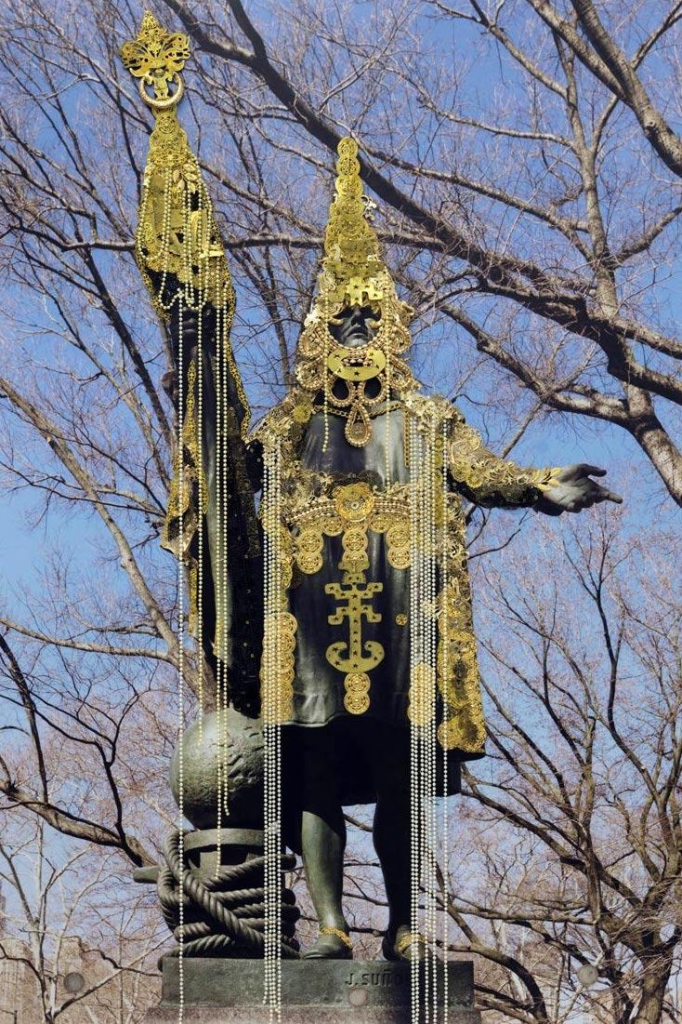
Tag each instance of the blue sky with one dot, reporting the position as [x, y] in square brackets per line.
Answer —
[23, 549]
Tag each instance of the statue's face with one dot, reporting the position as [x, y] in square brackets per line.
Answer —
[354, 326]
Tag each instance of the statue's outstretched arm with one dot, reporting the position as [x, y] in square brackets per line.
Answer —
[211, 520]
[486, 479]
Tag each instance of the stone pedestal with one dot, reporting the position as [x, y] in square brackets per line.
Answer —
[319, 992]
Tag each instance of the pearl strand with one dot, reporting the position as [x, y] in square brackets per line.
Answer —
[414, 458]
[444, 640]
[387, 438]
[325, 399]
[272, 698]
[267, 718]
[265, 700]
[276, 1010]
[431, 738]
[200, 530]
[425, 765]
[220, 371]
[181, 687]
[224, 500]
[202, 496]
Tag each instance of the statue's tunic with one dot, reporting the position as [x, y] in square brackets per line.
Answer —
[319, 686]
[346, 521]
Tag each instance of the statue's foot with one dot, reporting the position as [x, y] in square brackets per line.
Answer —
[405, 945]
[332, 944]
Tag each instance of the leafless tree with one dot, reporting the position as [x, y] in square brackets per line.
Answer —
[52, 893]
[573, 840]
[526, 163]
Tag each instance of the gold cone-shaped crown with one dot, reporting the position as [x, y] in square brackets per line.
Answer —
[353, 273]
[353, 270]
[352, 250]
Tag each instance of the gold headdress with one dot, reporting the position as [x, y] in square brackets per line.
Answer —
[354, 273]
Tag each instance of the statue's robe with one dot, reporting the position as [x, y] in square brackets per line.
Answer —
[315, 478]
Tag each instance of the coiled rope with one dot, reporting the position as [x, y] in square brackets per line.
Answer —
[218, 917]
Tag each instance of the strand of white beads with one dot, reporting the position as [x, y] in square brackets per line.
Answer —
[415, 655]
[444, 638]
[181, 684]
[267, 682]
[276, 1010]
[433, 665]
[225, 526]
[272, 713]
[221, 573]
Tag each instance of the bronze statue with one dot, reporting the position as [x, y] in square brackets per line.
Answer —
[342, 609]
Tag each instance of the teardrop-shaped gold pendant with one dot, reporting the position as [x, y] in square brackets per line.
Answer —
[358, 428]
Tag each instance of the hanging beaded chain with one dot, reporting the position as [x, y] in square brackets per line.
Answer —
[224, 356]
[272, 733]
[181, 706]
[430, 728]
[276, 1007]
[266, 698]
[415, 455]
[444, 633]
[387, 437]
[220, 576]
[424, 451]
[200, 531]
[181, 613]
[325, 435]
[222, 530]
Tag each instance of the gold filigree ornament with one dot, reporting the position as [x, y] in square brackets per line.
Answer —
[356, 699]
[422, 707]
[354, 502]
[354, 379]
[156, 57]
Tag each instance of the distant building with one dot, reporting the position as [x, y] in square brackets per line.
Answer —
[122, 1000]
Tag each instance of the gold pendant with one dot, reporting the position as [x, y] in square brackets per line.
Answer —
[358, 429]
[356, 700]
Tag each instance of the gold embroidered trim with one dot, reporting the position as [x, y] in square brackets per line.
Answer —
[385, 514]
[488, 476]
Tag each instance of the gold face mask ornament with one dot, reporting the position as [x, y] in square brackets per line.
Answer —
[354, 380]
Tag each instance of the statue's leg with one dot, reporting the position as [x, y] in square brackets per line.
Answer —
[392, 823]
[390, 760]
[323, 841]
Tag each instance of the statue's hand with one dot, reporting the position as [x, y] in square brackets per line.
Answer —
[573, 490]
[169, 383]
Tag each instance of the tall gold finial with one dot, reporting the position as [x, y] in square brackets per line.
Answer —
[157, 57]
[352, 249]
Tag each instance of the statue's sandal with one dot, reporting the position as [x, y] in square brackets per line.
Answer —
[410, 946]
[333, 944]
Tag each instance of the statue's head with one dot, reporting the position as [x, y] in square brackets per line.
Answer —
[357, 327]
